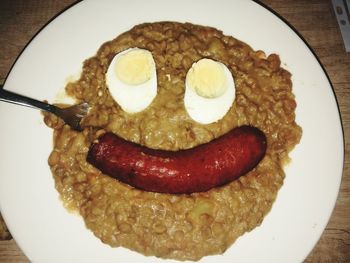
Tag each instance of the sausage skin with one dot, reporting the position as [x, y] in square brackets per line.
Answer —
[180, 172]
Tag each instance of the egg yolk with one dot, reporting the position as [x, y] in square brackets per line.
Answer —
[134, 67]
[207, 78]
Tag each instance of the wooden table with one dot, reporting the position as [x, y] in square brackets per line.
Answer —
[314, 19]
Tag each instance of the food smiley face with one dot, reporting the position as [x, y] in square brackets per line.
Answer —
[209, 93]
[177, 226]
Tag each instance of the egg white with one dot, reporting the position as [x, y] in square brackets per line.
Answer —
[209, 110]
[131, 98]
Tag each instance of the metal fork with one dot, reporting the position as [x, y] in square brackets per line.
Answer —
[71, 115]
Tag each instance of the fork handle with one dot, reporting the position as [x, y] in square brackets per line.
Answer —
[11, 97]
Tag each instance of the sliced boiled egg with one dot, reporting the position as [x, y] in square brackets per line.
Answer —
[210, 91]
[132, 79]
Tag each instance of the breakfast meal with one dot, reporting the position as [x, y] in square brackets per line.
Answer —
[183, 148]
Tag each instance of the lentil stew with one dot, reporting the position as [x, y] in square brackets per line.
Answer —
[181, 227]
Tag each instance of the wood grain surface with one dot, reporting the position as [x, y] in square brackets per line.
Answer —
[313, 19]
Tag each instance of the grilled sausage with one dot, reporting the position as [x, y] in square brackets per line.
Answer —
[186, 171]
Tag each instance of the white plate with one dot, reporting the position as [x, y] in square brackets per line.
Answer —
[46, 232]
